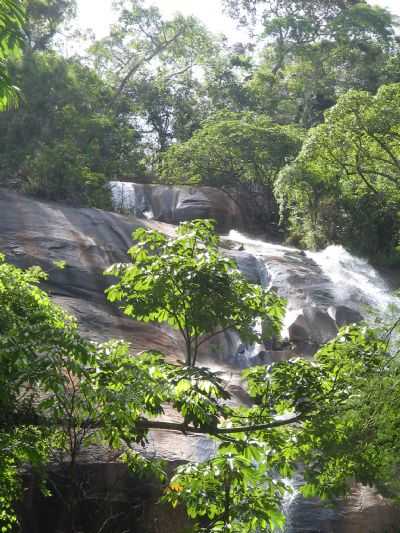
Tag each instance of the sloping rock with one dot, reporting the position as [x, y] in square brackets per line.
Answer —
[89, 240]
[249, 265]
[363, 511]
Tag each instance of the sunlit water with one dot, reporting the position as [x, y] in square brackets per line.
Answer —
[355, 282]
[129, 198]
[329, 277]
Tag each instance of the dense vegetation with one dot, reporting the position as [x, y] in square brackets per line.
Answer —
[11, 39]
[313, 120]
[166, 100]
[60, 394]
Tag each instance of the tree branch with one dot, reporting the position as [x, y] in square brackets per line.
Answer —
[183, 428]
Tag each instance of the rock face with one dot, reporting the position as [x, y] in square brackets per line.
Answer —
[313, 324]
[114, 501]
[343, 315]
[249, 265]
[363, 511]
[176, 204]
[319, 325]
[89, 240]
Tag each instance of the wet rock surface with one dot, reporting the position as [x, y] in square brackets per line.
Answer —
[363, 511]
[344, 315]
[89, 240]
[249, 265]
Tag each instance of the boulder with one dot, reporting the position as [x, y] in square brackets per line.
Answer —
[250, 266]
[363, 511]
[313, 324]
[175, 204]
[344, 315]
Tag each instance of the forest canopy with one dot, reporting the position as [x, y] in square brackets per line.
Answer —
[165, 100]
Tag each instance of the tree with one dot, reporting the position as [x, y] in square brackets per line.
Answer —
[60, 393]
[304, 412]
[66, 141]
[312, 79]
[44, 19]
[12, 19]
[230, 149]
[351, 162]
[298, 23]
[316, 51]
[187, 284]
[153, 62]
[142, 37]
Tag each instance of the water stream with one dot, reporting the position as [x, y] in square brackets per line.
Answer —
[330, 277]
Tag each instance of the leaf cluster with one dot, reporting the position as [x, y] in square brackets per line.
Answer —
[186, 283]
[12, 19]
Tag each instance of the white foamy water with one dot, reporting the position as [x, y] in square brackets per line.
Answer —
[257, 246]
[329, 277]
[129, 197]
[354, 281]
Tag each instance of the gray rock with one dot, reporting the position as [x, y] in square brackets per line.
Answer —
[173, 204]
[89, 240]
[363, 511]
[313, 324]
[344, 315]
[248, 264]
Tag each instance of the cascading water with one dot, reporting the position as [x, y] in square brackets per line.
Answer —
[331, 277]
[354, 281]
[308, 280]
[129, 197]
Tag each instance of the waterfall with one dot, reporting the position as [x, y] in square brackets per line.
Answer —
[130, 197]
[331, 277]
[355, 282]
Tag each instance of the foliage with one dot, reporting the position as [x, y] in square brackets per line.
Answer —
[12, 18]
[187, 284]
[351, 163]
[234, 490]
[297, 23]
[66, 142]
[336, 415]
[167, 90]
[232, 148]
[153, 61]
[30, 327]
[311, 80]
[44, 19]
[339, 435]
[315, 51]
